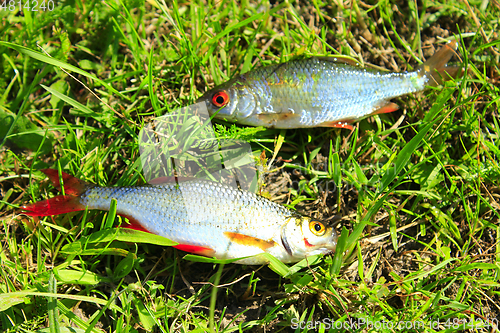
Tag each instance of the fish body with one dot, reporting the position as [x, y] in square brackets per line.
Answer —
[204, 217]
[319, 92]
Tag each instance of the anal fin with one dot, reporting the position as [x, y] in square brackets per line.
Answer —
[133, 224]
[386, 108]
[196, 249]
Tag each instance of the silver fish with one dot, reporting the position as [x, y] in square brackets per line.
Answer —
[320, 92]
[204, 217]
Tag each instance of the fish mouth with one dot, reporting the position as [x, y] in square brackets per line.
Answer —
[329, 249]
[333, 247]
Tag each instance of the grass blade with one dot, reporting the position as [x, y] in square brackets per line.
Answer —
[54, 62]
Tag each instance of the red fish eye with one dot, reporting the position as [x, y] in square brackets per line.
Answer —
[220, 99]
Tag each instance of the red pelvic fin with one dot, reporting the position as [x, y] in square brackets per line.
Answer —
[72, 185]
[54, 206]
[249, 240]
[196, 249]
[386, 108]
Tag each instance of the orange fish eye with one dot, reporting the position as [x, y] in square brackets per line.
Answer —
[317, 228]
[220, 99]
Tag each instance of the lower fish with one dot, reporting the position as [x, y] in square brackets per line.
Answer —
[204, 217]
[320, 91]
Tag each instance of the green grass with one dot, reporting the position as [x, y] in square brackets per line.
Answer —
[420, 200]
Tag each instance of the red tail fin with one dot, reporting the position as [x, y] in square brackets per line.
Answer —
[72, 185]
[61, 204]
[54, 206]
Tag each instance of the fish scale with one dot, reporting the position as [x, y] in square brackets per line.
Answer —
[346, 91]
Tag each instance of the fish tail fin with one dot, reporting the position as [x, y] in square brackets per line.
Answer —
[72, 185]
[435, 68]
[70, 202]
[54, 206]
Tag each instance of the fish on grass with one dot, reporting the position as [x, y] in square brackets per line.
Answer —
[204, 217]
[320, 91]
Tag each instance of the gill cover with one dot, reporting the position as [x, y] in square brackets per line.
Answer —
[304, 236]
[230, 101]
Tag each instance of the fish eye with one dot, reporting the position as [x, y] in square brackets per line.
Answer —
[220, 99]
[317, 228]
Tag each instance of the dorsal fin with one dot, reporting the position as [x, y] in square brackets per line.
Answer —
[340, 59]
[72, 185]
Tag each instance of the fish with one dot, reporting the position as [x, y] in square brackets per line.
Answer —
[204, 217]
[320, 91]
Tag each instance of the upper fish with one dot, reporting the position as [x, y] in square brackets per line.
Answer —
[320, 91]
[204, 217]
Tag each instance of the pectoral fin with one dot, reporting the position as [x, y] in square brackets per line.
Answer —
[249, 240]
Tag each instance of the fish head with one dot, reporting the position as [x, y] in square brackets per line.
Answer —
[304, 236]
[230, 101]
